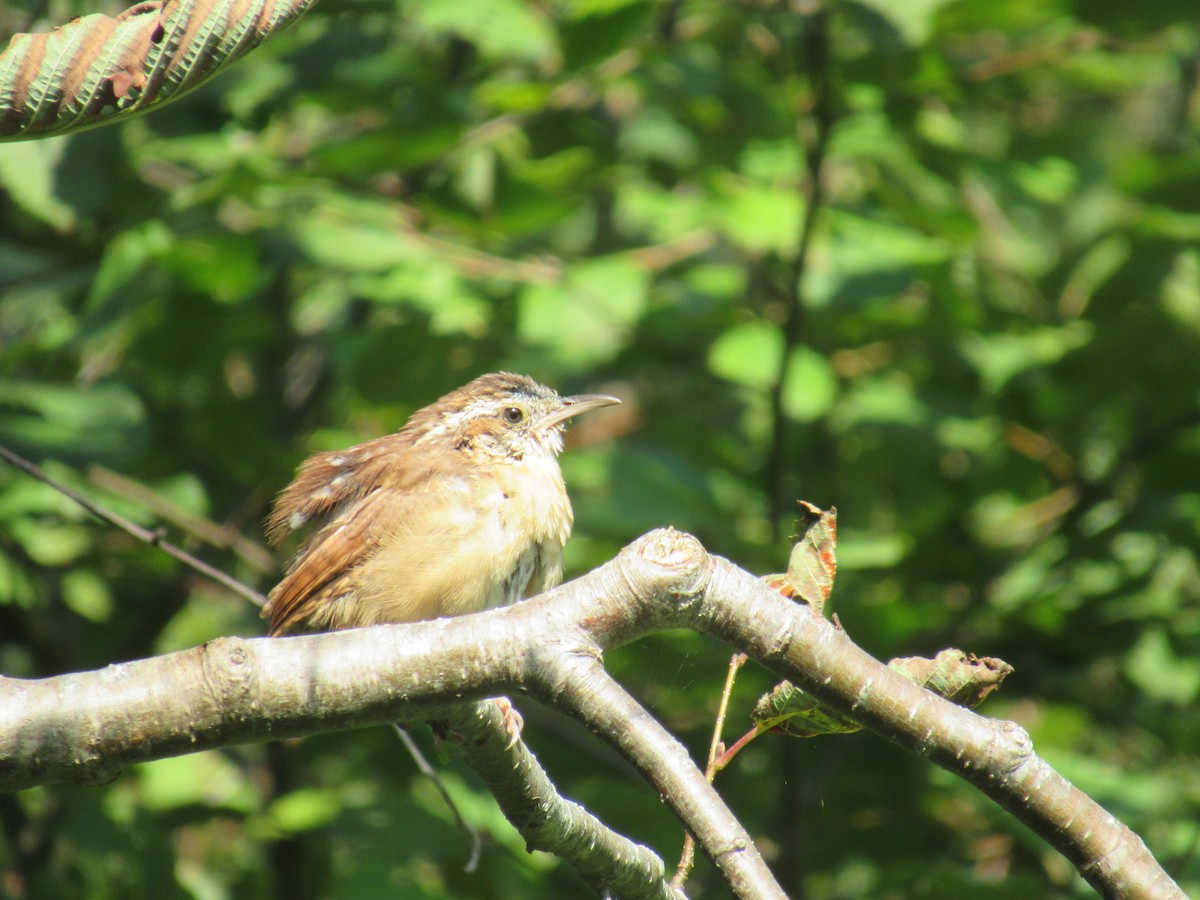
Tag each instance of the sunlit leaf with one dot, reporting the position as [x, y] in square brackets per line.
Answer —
[761, 218]
[500, 28]
[747, 355]
[586, 319]
[200, 779]
[97, 423]
[303, 810]
[86, 594]
[1000, 357]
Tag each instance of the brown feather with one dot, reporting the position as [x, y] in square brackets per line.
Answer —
[323, 569]
[350, 515]
[327, 481]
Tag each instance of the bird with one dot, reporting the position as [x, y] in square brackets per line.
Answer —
[461, 510]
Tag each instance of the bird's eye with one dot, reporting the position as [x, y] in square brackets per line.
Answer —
[513, 415]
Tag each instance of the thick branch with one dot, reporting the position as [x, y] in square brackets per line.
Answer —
[581, 686]
[86, 727]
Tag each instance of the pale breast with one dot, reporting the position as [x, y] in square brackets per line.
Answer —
[532, 503]
[472, 542]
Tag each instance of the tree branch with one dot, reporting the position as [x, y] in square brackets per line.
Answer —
[608, 861]
[86, 727]
[590, 694]
[224, 536]
[996, 757]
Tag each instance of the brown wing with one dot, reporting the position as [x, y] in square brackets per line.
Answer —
[327, 482]
[326, 569]
[355, 499]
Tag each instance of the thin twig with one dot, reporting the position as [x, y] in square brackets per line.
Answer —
[715, 751]
[737, 747]
[812, 51]
[223, 537]
[468, 830]
[155, 538]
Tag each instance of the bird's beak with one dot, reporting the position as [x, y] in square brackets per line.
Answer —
[573, 406]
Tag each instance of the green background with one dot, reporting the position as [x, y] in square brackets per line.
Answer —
[995, 379]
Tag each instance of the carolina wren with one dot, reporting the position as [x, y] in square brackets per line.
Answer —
[461, 510]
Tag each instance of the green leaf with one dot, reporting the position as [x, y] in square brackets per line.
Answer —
[86, 594]
[860, 244]
[356, 246]
[880, 399]
[200, 779]
[1160, 672]
[94, 423]
[434, 286]
[501, 29]
[866, 550]
[747, 355]
[303, 810]
[223, 265]
[913, 19]
[657, 135]
[1050, 179]
[1001, 357]
[811, 386]
[760, 218]
[50, 544]
[27, 175]
[660, 214]
[586, 319]
[125, 260]
[1181, 290]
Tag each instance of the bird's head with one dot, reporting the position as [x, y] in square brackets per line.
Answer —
[503, 414]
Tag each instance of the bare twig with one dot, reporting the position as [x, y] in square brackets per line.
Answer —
[737, 747]
[656, 257]
[716, 751]
[474, 263]
[1055, 52]
[469, 831]
[154, 538]
[223, 537]
[668, 23]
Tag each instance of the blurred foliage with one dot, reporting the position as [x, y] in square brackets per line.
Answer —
[995, 382]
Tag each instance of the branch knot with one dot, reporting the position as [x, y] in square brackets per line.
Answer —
[228, 670]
